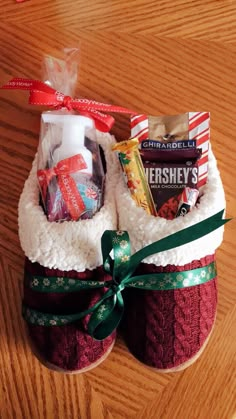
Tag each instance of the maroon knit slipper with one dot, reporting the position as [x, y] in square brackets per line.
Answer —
[66, 348]
[61, 259]
[169, 328]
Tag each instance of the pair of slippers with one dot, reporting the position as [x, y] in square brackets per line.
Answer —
[165, 328]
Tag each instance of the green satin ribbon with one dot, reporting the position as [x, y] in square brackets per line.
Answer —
[107, 312]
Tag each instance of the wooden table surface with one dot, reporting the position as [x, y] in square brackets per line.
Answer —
[157, 57]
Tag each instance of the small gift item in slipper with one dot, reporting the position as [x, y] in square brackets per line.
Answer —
[168, 328]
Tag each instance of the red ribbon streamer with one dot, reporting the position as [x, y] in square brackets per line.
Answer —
[67, 185]
[44, 95]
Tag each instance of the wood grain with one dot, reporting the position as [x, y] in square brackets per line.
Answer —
[155, 57]
[210, 20]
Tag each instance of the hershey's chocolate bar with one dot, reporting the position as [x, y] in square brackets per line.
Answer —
[167, 182]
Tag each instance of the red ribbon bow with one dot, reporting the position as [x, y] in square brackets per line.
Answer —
[42, 94]
[67, 185]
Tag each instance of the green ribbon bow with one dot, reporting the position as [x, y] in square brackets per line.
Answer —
[106, 314]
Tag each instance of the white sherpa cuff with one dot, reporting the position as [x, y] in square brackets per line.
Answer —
[68, 245]
[144, 229]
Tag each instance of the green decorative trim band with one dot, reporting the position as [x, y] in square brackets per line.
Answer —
[158, 281]
[108, 311]
[45, 319]
[61, 284]
[174, 280]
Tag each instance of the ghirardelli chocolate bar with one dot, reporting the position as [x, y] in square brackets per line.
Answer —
[168, 145]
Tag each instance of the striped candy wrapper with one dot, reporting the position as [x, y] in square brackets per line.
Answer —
[199, 130]
[139, 127]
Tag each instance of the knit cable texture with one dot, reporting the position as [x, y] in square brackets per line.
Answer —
[67, 347]
[164, 329]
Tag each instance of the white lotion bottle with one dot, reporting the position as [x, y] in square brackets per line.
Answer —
[73, 135]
